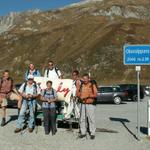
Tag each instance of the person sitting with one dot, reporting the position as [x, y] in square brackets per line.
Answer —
[7, 91]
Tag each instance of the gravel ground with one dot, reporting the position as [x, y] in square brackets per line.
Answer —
[121, 118]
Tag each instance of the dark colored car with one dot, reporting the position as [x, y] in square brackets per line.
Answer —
[111, 94]
[131, 89]
[13, 103]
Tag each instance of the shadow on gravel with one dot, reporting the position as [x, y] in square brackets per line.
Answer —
[12, 118]
[144, 130]
[123, 121]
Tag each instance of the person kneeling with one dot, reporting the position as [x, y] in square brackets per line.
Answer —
[49, 97]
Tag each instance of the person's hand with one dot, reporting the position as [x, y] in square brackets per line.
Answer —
[83, 98]
[49, 100]
[1, 99]
[24, 95]
[74, 98]
[29, 96]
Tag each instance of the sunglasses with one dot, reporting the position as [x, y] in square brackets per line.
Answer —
[50, 64]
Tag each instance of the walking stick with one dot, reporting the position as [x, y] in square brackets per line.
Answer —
[80, 119]
[85, 120]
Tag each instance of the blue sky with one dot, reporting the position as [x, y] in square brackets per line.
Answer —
[7, 6]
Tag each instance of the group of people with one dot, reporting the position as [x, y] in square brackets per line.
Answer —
[84, 91]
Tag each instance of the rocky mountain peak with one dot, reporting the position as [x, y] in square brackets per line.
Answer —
[13, 18]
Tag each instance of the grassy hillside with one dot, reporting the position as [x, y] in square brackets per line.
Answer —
[89, 37]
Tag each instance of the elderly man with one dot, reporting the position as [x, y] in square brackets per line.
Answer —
[29, 91]
[87, 93]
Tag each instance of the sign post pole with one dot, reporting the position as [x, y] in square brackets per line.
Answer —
[148, 116]
[138, 69]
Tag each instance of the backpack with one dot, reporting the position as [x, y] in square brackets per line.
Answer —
[34, 84]
[28, 71]
[93, 82]
[75, 83]
[56, 70]
[45, 92]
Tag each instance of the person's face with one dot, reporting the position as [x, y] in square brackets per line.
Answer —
[74, 76]
[49, 85]
[50, 65]
[6, 75]
[31, 66]
[85, 79]
[30, 81]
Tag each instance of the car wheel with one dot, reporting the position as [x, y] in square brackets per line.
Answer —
[134, 98]
[117, 100]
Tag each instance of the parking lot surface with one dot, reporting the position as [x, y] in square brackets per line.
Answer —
[116, 130]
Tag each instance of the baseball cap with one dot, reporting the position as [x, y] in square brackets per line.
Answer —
[30, 76]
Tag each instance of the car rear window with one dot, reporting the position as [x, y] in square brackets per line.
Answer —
[116, 89]
[105, 89]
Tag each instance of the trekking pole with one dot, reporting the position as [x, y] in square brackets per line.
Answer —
[80, 119]
[86, 120]
[76, 113]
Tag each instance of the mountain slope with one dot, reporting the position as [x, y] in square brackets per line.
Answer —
[87, 36]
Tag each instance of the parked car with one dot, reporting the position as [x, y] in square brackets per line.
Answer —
[13, 103]
[131, 89]
[111, 94]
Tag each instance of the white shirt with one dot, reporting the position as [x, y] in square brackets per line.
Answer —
[52, 74]
[29, 89]
[74, 89]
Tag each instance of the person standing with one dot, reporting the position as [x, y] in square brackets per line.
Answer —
[52, 72]
[73, 105]
[6, 88]
[29, 91]
[87, 93]
[32, 71]
[49, 97]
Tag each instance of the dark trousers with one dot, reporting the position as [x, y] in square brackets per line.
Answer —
[49, 120]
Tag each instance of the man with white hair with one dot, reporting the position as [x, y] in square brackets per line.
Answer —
[29, 91]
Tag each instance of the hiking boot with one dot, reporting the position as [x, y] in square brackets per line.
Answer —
[30, 130]
[54, 131]
[17, 130]
[92, 137]
[82, 136]
[3, 122]
[46, 133]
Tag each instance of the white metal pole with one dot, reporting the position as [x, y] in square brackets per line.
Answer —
[138, 69]
[148, 117]
[138, 116]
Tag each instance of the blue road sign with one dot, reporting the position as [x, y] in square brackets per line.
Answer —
[136, 54]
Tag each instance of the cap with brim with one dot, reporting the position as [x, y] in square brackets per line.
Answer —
[30, 77]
